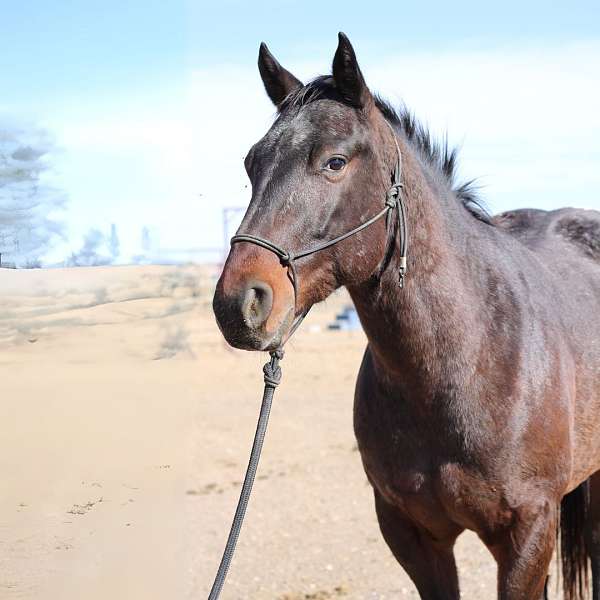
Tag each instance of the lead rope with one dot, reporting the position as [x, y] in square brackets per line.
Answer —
[272, 370]
[272, 378]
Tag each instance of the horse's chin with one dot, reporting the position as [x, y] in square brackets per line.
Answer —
[279, 337]
[260, 340]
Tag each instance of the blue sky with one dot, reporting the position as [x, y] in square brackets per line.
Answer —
[154, 104]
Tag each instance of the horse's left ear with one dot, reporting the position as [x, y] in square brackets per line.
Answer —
[347, 76]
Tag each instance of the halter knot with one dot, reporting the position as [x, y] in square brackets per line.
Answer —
[392, 195]
[272, 377]
[286, 258]
[278, 354]
[272, 370]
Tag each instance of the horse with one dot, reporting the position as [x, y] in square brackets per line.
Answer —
[477, 403]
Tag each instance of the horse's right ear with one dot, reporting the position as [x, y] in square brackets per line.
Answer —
[347, 76]
[278, 81]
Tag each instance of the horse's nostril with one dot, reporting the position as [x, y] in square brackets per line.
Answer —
[257, 304]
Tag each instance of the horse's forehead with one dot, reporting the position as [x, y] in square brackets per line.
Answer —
[321, 120]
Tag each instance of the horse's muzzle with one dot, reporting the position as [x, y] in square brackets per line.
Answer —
[254, 310]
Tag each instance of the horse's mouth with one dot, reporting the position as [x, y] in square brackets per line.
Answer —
[246, 338]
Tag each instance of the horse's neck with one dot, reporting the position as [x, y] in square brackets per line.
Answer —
[425, 335]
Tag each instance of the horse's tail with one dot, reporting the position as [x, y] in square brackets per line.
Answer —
[573, 551]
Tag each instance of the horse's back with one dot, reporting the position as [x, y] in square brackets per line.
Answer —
[576, 229]
[567, 242]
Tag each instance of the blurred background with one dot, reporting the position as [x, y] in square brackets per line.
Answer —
[125, 420]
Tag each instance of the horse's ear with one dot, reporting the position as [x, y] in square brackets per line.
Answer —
[278, 81]
[347, 76]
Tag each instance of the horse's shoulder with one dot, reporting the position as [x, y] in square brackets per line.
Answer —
[578, 227]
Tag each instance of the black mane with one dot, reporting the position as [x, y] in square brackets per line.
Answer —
[438, 155]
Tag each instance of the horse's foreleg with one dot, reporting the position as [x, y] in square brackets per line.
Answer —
[524, 551]
[428, 562]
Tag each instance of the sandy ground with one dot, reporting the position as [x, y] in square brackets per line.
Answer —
[125, 428]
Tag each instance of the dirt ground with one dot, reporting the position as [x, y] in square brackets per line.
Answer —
[126, 424]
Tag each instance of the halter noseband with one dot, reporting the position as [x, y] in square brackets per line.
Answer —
[393, 200]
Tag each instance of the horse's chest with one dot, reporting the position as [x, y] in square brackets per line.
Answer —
[415, 467]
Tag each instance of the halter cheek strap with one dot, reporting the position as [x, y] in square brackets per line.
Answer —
[394, 201]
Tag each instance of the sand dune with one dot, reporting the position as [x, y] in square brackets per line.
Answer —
[126, 423]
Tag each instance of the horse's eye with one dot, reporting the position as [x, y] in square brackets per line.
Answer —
[337, 163]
